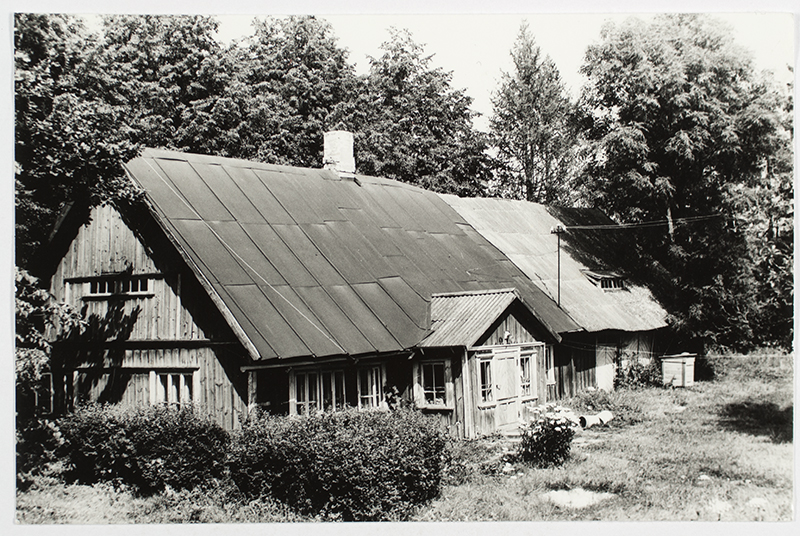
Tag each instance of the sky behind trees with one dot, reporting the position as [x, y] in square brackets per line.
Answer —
[477, 47]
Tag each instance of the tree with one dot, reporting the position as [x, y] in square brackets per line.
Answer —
[678, 120]
[531, 128]
[69, 137]
[294, 76]
[36, 312]
[173, 80]
[409, 123]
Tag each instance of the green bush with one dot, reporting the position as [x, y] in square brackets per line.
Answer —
[147, 448]
[346, 465]
[546, 441]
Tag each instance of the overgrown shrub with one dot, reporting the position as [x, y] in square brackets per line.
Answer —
[637, 375]
[546, 441]
[37, 442]
[147, 448]
[346, 465]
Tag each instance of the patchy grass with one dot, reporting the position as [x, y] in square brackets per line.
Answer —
[719, 450]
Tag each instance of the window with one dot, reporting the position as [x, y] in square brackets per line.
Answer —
[606, 280]
[612, 283]
[525, 373]
[549, 365]
[487, 389]
[370, 387]
[433, 389]
[318, 391]
[118, 285]
[173, 388]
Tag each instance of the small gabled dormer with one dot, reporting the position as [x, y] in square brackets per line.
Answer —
[606, 280]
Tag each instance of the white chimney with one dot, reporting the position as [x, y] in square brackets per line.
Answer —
[338, 152]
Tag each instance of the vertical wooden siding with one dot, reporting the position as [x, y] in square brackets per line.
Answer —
[165, 318]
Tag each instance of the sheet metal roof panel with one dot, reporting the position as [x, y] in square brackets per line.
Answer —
[202, 199]
[263, 347]
[154, 181]
[366, 321]
[372, 231]
[351, 267]
[229, 194]
[349, 237]
[402, 328]
[407, 298]
[290, 195]
[269, 323]
[460, 320]
[535, 252]
[279, 254]
[207, 250]
[303, 321]
[335, 320]
[266, 204]
[309, 255]
[248, 254]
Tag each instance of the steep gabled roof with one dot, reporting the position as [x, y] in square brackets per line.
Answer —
[302, 262]
[522, 230]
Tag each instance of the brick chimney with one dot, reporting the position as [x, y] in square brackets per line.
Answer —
[338, 152]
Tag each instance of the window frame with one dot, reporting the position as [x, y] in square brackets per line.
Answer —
[163, 389]
[420, 390]
[117, 285]
[302, 404]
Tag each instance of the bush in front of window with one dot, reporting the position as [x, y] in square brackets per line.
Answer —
[347, 465]
[546, 441]
[147, 448]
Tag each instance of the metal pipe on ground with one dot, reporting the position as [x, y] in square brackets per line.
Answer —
[587, 421]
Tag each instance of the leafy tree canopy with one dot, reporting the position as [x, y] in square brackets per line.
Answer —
[70, 137]
[531, 128]
[679, 123]
[411, 125]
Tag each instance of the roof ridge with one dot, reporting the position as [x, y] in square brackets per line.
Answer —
[474, 292]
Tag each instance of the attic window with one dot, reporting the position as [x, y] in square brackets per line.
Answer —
[605, 280]
[117, 285]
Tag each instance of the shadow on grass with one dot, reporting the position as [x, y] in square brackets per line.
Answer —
[759, 419]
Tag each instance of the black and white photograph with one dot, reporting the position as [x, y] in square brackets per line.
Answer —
[430, 266]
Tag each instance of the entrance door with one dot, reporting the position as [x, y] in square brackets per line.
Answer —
[604, 371]
[506, 379]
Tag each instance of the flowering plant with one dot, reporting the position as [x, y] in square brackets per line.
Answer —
[546, 440]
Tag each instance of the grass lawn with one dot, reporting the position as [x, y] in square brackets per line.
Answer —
[718, 450]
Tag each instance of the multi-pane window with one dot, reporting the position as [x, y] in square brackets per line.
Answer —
[173, 388]
[370, 387]
[433, 383]
[612, 283]
[125, 285]
[525, 360]
[319, 391]
[487, 388]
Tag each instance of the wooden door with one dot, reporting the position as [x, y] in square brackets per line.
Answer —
[506, 379]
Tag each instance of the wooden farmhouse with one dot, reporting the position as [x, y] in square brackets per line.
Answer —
[620, 320]
[236, 285]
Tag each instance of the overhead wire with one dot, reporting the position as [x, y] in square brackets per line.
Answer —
[644, 224]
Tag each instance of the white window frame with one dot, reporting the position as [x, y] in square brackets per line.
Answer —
[173, 387]
[420, 388]
[296, 405]
[486, 384]
[114, 286]
[370, 393]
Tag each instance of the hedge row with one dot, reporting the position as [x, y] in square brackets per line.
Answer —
[346, 465]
